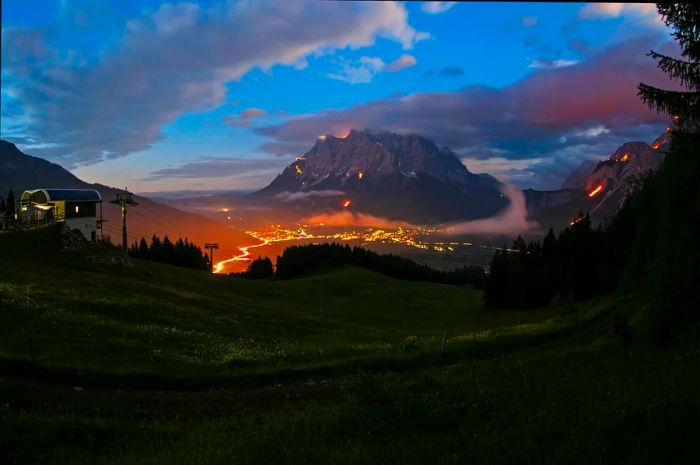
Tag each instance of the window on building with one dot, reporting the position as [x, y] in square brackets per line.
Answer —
[77, 208]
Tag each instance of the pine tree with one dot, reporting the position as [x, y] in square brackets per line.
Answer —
[143, 249]
[684, 106]
[10, 204]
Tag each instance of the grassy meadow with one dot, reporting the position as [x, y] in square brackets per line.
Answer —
[101, 363]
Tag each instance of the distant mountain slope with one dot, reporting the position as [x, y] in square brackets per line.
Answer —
[599, 189]
[405, 177]
[21, 172]
[577, 178]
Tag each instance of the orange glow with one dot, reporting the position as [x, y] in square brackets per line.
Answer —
[299, 158]
[225, 210]
[676, 117]
[578, 219]
[597, 190]
[625, 157]
[343, 134]
[298, 169]
[346, 203]
[656, 146]
[243, 256]
[668, 129]
[322, 137]
[360, 175]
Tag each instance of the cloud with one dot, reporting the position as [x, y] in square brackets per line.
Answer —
[360, 72]
[447, 71]
[174, 61]
[524, 120]
[365, 68]
[529, 21]
[551, 64]
[243, 120]
[451, 71]
[348, 218]
[435, 8]
[511, 221]
[644, 13]
[593, 131]
[249, 113]
[402, 62]
[218, 167]
[615, 10]
[288, 196]
[234, 121]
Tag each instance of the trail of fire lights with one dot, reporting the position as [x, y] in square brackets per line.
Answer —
[243, 256]
[597, 190]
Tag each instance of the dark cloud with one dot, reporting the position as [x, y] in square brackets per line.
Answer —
[525, 120]
[174, 61]
[447, 71]
[579, 46]
[451, 71]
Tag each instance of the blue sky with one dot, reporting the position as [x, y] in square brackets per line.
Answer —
[219, 95]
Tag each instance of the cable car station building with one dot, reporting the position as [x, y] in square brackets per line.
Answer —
[79, 209]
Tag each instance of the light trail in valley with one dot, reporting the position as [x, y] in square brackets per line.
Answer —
[244, 256]
[417, 238]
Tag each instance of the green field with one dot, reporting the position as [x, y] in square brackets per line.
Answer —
[156, 364]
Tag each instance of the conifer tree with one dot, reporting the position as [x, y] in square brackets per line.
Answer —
[684, 106]
[10, 204]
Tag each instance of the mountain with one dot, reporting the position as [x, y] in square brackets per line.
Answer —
[598, 188]
[21, 172]
[577, 178]
[405, 177]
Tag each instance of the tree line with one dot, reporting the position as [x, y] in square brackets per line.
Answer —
[180, 253]
[578, 264]
[300, 260]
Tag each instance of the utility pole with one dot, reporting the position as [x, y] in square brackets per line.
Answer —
[211, 246]
[123, 199]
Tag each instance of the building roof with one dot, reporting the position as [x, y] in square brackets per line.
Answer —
[70, 195]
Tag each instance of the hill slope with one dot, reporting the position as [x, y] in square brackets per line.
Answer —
[108, 365]
[21, 171]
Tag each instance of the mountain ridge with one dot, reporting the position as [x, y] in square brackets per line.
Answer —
[373, 169]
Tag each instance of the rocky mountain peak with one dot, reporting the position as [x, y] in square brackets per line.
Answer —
[377, 169]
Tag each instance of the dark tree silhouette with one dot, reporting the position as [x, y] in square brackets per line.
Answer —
[182, 253]
[684, 106]
[10, 204]
[260, 268]
[299, 260]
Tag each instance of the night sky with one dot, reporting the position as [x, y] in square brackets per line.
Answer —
[222, 95]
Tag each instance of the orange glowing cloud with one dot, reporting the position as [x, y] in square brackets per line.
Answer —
[348, 218]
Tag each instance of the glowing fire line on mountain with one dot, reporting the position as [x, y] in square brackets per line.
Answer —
[597, 190]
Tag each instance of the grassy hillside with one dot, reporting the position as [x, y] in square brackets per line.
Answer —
[156, 364]
[65, 311]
